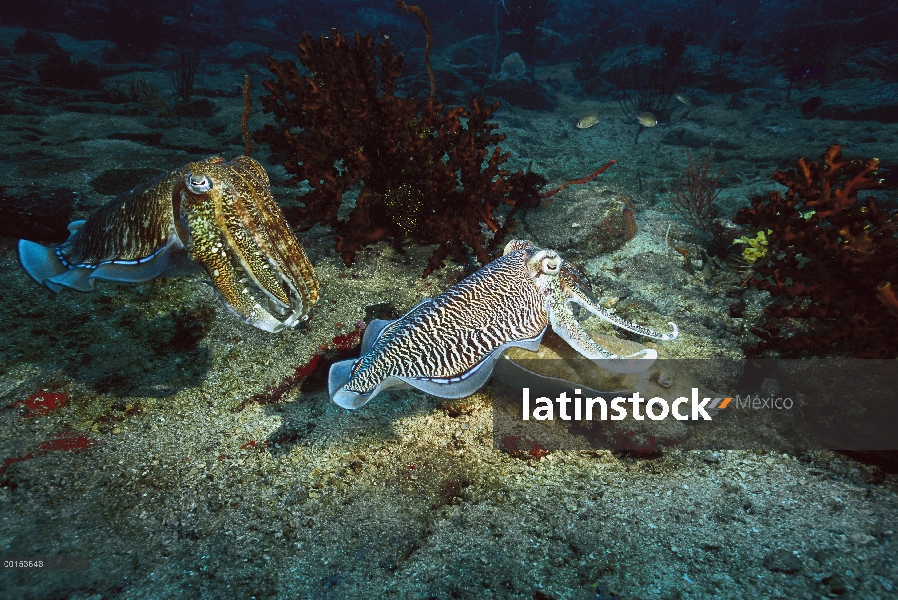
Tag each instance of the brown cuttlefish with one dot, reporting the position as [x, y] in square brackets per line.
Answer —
[209, 215]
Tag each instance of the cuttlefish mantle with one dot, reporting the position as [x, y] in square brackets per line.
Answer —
[446, 346]
[212, 216]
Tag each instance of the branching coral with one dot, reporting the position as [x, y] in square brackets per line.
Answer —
[696, 191]
[60, 70]
[831, 261]
[646, 91]
[425, 173]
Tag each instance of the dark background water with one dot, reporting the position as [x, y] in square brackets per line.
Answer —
[805, 38]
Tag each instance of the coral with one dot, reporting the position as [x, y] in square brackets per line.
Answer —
[830, 261]
[650, 87]
[587, 179]
[144, 93]
[696, 191]
[60, 70]
[428, 46]
[755, 248]
[183, 73]
[425, 172]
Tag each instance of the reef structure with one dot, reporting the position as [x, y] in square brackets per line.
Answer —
[425, 173]
[831, 261]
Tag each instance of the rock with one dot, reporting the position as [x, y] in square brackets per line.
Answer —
[710, 456]
[782, 561]
[201, 108]
[585, 219]
[35, 42]
[887, 113]
[37, 216]
[242, 53]
[836, 585]
[513, 68]
[523, 93]
[449, 80]
[190, 140]
[861, 539]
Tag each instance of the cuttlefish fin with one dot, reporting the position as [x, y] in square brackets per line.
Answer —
[76, 226]
[340, 372]
[338, 377]
[41, 263]
[44, 266]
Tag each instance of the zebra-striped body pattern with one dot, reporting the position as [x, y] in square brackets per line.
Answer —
[446, 345]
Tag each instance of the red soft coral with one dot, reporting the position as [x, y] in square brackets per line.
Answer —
[425, 173]
[830, 262]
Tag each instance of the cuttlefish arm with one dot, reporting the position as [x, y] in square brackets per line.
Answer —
[209, 215]
[572, 289]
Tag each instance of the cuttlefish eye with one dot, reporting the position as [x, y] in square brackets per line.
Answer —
[198, 184]
[551, 264]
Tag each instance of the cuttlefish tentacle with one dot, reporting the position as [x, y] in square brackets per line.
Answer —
[446, 346]
[213, 215]
[562, 284]
[266, 223]
[575, 289]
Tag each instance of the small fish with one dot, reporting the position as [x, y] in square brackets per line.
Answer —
[587, 121]
[684, 100]
[646, 119]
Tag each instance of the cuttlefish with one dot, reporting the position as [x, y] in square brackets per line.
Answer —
[209, 215]
[446, 346]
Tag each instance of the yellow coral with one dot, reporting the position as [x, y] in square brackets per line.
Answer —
[756, 246]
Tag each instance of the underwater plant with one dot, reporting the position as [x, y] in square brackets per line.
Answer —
[696, 191]
[647, 91]
[829, 261]
[60, 70]
[184, 71]
[145, 94]
[427, 174]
